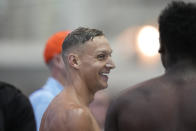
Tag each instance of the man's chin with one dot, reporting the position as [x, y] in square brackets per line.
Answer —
[104, 86]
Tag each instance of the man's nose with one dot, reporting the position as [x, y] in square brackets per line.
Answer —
[110, 64]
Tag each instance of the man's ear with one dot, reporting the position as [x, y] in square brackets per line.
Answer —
[74, 60]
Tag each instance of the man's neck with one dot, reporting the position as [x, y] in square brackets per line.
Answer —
[186, 67]
[82, 92]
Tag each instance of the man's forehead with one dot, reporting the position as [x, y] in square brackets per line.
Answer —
[98, 39]
[104, 50]
[101, 46]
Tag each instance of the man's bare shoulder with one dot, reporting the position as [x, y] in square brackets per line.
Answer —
[76, 118]
[141, 104]
[144, 95]
[72, 117]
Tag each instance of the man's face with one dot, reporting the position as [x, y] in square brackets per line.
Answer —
[96, 63]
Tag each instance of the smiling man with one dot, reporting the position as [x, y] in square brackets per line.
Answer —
[87, 57]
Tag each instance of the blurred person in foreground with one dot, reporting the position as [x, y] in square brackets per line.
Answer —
[167, 102]
[99, 106]
[41, 98]
[87, 57]
[16, 113]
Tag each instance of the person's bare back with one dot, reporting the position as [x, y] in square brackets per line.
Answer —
[166, 103]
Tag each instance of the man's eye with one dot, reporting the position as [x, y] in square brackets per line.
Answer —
[101, 56]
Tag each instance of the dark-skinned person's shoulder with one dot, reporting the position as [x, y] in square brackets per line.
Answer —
[133, 106]
[16, 113]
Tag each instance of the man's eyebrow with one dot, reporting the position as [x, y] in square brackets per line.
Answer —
[105, 51]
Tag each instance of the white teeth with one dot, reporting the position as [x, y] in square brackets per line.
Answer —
[108, 65]
[104, 73]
